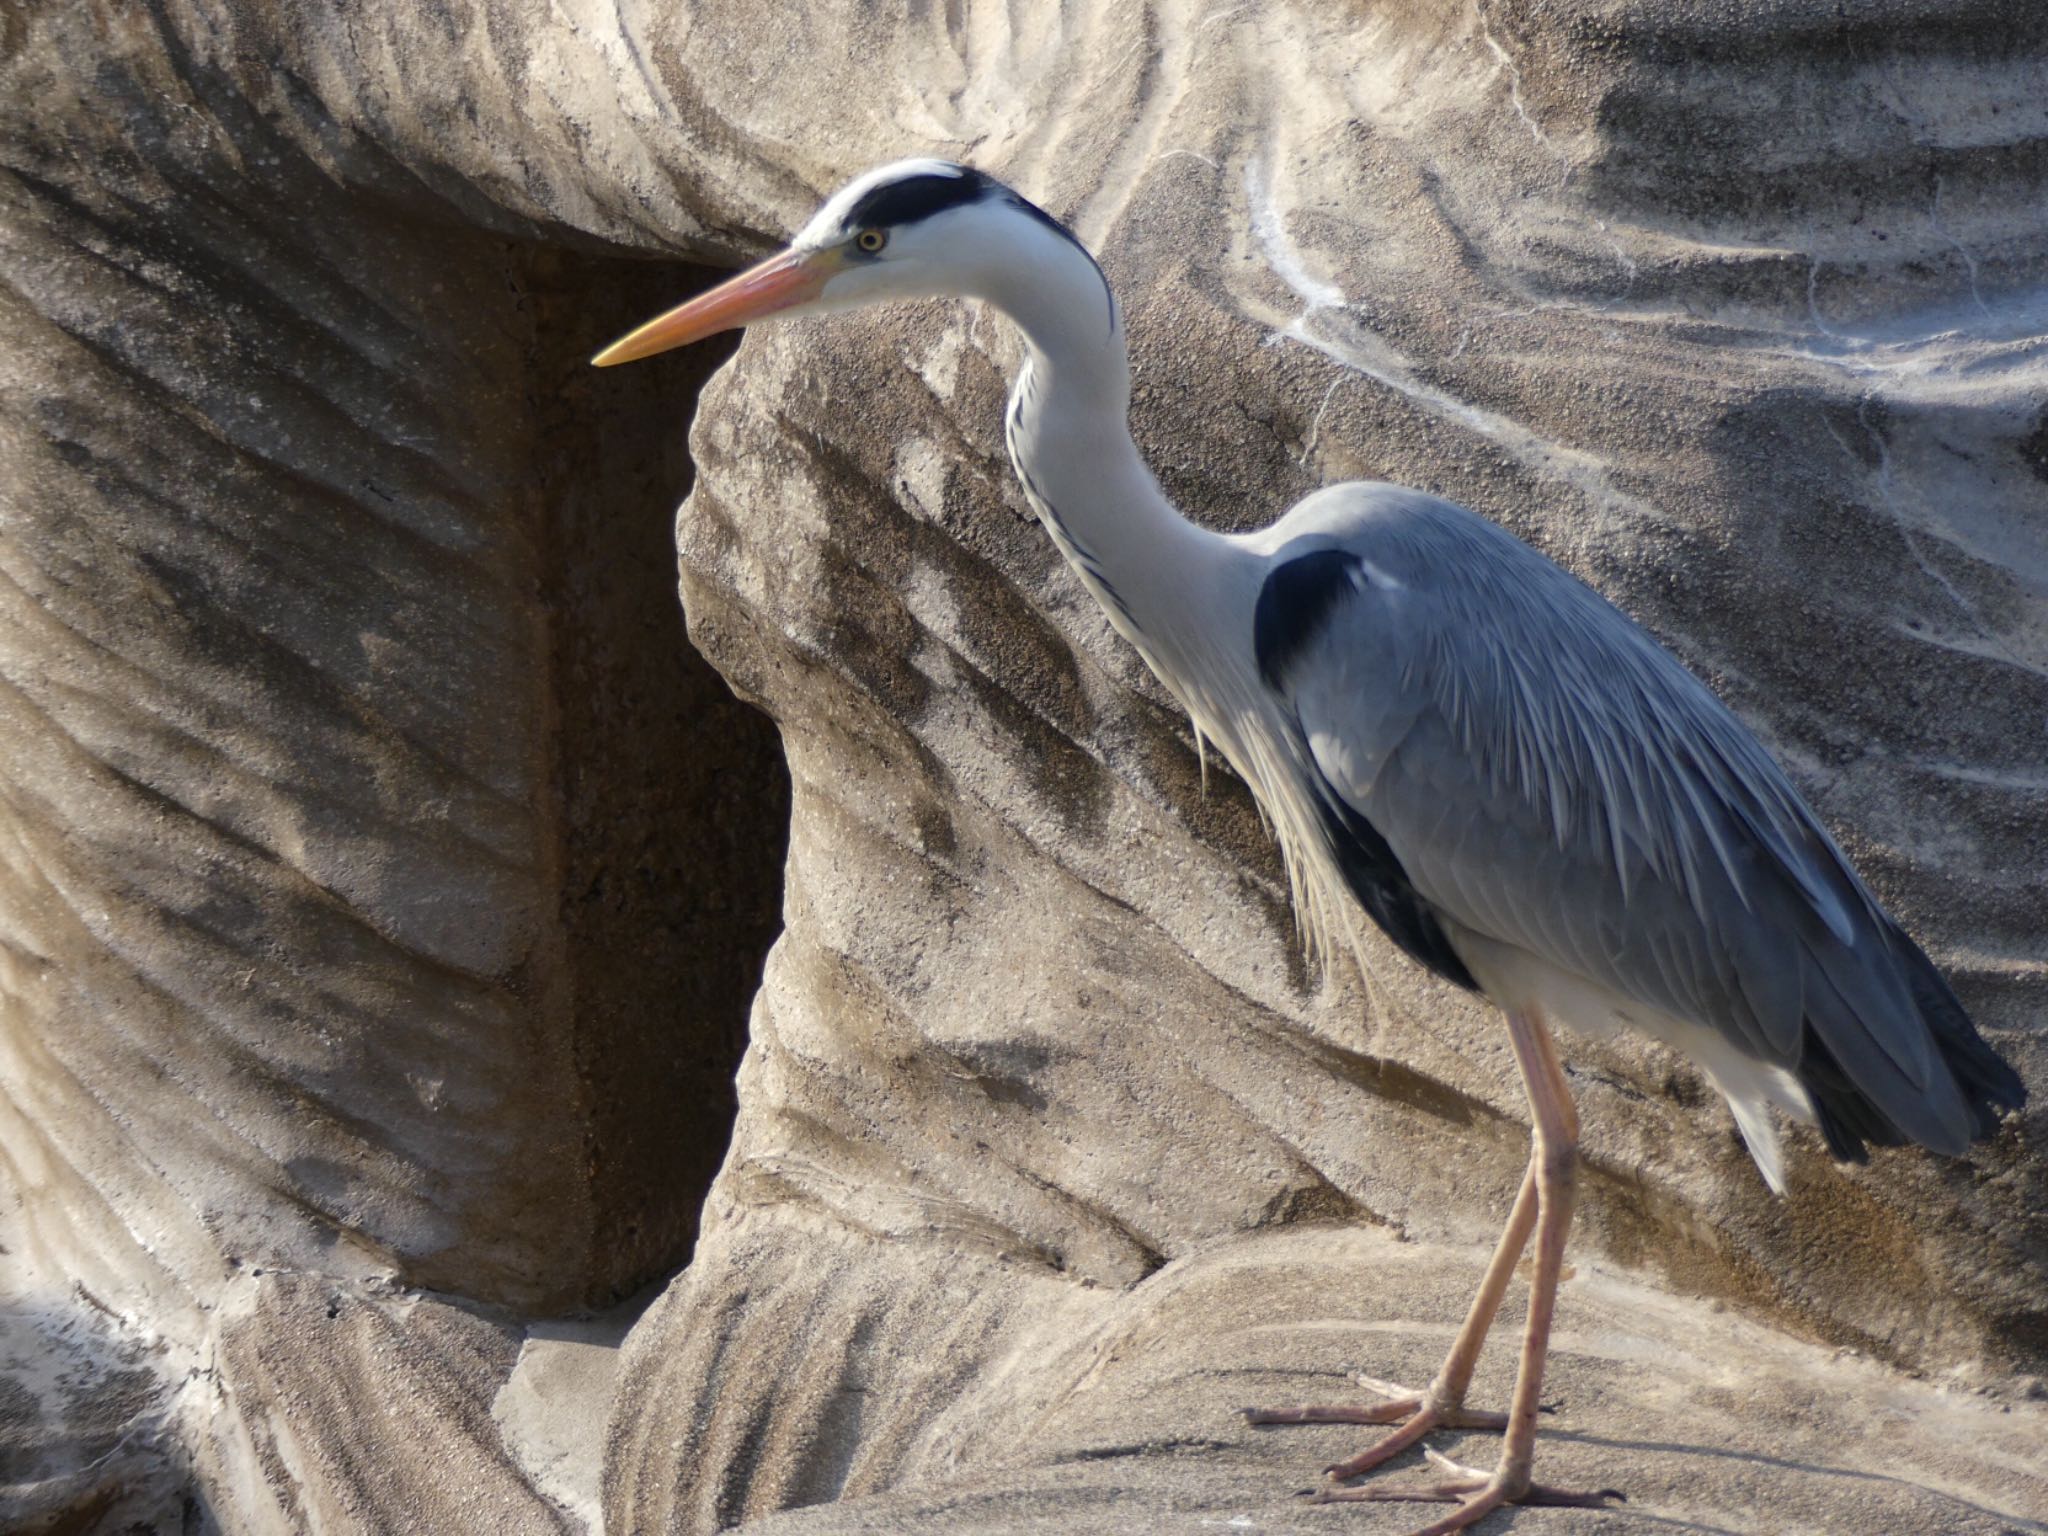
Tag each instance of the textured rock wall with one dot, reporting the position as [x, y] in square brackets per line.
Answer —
[379, 875]
[384, 879]
[1034, 1008]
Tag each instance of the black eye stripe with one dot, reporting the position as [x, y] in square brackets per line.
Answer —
[897, 203]
[917, 197]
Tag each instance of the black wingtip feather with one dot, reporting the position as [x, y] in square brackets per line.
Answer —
[1988, 1082]
[1850, 1122]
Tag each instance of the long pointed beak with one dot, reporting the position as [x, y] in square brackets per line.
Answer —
[779, 283]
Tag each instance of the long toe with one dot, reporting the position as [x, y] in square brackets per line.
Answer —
[1477, 1494]
[1410, 1411]
[1396, 1403]
[1392, 1412]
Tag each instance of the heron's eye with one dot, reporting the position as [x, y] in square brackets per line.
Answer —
[871, 240]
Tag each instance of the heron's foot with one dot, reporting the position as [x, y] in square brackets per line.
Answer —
[1414, 1412]
[1477, 1494]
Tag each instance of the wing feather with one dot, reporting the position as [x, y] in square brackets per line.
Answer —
[1549, 777]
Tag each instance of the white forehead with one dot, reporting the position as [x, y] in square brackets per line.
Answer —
[830, 220]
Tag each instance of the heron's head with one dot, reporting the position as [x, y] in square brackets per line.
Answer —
[917, 229]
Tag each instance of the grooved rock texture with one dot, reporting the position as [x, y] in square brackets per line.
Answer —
[1127, 1404]
[382, 878]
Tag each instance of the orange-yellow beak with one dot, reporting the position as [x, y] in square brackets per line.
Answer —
[779, 283]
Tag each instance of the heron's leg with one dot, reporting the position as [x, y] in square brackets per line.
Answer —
[1442, 1404]
[1556, 1169]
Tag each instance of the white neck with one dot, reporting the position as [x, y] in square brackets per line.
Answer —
[1185, 598]
[1158, 576]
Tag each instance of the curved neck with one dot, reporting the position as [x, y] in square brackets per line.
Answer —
[1073, 328]
[1160, 578]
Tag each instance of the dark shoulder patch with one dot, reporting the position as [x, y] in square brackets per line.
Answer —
[1294, 605]
[911, 198]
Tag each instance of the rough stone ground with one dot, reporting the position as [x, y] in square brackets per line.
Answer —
[1708, 1422]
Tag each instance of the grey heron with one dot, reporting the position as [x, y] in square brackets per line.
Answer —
[1522, 788]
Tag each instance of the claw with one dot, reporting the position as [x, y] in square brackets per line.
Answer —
[1452, 1468]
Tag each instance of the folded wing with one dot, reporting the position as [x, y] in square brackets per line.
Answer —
[1542, 773]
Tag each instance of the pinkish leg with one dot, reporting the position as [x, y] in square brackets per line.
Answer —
[1556, 1171]
[1442, 1405]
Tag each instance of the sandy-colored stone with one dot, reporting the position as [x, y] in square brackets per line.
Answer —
[365, 1413]
[552, 1407]
[1036, 1000]
[379, 879]
[1124, 1420]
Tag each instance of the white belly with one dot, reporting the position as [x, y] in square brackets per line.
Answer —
[1514, 978]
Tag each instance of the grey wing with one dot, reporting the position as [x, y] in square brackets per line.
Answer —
[1550, 778]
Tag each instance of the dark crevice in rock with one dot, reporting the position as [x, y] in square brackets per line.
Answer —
[672, 794]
